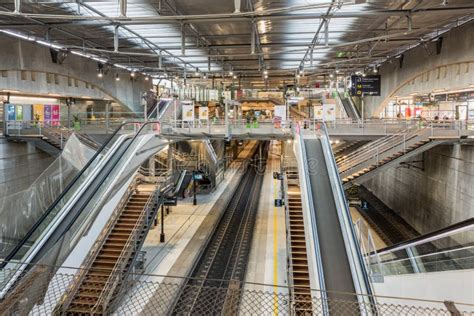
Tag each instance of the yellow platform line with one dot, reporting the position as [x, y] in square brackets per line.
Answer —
[275, 249]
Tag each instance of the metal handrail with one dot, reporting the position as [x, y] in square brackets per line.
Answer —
[357, 263]
[115, 274]
[320, 270]
[97, 246]
[382, 140]
[60, 197]
[129, 247]
[376, 151]
[466, 225]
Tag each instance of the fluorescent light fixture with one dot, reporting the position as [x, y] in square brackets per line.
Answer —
[54, 94]
[48, 44]
[18, 35]
[121, 66]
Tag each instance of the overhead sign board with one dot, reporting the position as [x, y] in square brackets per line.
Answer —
[368, 85]
[439, 97]
[458, 96]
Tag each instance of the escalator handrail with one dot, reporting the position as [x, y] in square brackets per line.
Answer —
[434, 235]
[27, 262]
[363, 281]
[25, 239]
[319, 262]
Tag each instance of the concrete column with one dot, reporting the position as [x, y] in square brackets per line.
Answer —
[107, 118]
[151, 166]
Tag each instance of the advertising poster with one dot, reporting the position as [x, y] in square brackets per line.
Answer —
[279, 115]
[27, 112]
[188, 112]
[38, 112]
[55, 115]
[329, 112]
[204, 113]
[11, 115]
[318, 112]
[19, 113]
[47, 113]
[280, 112]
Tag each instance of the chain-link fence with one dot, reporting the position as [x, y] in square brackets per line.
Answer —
[42, 292]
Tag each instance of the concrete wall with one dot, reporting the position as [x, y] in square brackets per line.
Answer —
[440, 195]
[28, 68]
[456, 286]
[424, 71]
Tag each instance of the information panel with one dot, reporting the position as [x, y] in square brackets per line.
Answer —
[318, 112]
[329, 112]
[368, 85]
[188, 112]
[204, 113]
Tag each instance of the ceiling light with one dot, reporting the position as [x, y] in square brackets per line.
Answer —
[147, 78]
[100, 74]
[331, 76]
[265, 72]
[132, 74]
[298, 76]
[235, 77]
[25, 37]
[375, 70]
[48, 44]
[117, 78]
[231, 73]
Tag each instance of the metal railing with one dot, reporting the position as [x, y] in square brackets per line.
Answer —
[157, 298]
[447, 249]
[98, 244]
[374, 153]
[129, 248]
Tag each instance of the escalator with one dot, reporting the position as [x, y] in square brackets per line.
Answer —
[340, 265]
[349, 107]
[79, 203]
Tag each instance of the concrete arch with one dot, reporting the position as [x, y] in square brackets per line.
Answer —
[18, 55]
[406, 82]
[84, 90]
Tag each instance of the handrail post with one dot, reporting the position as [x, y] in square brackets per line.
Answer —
[404, 144]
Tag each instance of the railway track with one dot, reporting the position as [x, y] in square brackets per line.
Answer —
[222, 265]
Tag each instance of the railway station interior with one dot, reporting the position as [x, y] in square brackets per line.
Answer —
[237, 157]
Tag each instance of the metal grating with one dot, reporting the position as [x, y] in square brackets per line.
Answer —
[43, 290]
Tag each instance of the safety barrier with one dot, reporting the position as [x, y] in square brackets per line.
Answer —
[44, 291]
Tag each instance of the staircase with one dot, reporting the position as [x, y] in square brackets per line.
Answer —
[388, 225]
[381, 153]
[111, 257]
[341, 151]
[298, 264]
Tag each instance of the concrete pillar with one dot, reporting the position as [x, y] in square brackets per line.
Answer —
[151, 166]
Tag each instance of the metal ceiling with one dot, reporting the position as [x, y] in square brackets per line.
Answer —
[274, 37]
